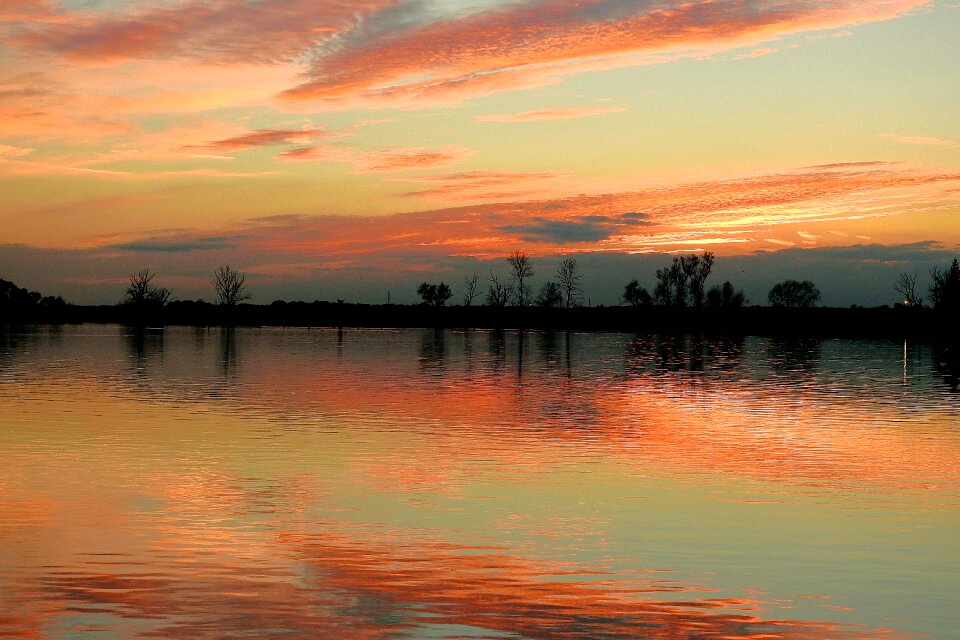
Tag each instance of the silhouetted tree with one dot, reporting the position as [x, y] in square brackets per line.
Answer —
[569, 276]
[142, 293]
[51, 302]
[945, 288]
[678, 280]
[696, 269]
[435, 294]
[794, 294]
[12, 296]
[662, 294]
[550, 296]
[907, 287]
[725, 296]
[498, 294]
[444, 293]
[470, 289]
[522, 269]
[229, 286]
[636, 295]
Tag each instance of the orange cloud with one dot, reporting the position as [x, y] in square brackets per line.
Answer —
[263, 138]
[526, 44]
[549, 114]
[23, 10]
[267, 31]
[409, 158]
[736, 213]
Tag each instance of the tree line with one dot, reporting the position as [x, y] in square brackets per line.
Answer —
[228, 284]
[681, 284]
[944, 289]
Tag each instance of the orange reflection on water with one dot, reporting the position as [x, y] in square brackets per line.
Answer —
[359, 495]
[490, 589]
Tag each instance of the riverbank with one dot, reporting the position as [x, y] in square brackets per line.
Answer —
[886, 322]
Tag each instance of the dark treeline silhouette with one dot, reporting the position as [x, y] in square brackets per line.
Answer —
[680, 303]
[18, 304]
[945, 288]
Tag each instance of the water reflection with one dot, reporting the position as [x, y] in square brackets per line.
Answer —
[228, 352]
[433, 350]
[794, 355]
[196, 483]
[144, 345]
[946, 360]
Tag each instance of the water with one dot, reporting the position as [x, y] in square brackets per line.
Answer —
[194, 483]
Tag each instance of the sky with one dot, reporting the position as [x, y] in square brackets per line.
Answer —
[346, 149]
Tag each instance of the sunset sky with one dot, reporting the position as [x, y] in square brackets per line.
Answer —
[342, 149]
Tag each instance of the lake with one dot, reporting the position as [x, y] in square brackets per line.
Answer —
[211, 483]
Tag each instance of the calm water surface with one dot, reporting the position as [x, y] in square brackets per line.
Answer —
[193, 483]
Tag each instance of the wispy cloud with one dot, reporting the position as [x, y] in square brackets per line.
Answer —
[262, 138]
[549, 114]
[410, 158]
[257, 32]
[533, 43]
[920, 140]
[476, 184]
[8, 151]
[743, 212]
[756, 53]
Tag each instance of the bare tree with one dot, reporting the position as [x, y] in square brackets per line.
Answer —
[141, 291]
[499, 294]
[569, 275]
[470, 289]
[907, 287]
[522, 270]
[229, 285]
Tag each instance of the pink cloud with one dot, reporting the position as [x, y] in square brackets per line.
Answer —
[264, 31]
[549, 114]
[528, 43]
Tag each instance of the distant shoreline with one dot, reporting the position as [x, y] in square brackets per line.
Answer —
[825, 322]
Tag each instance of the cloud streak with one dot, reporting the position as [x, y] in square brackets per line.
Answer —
[256, 32]
[262, 138]
[411, 158]
[920, 140]
[549, 114]
[476, 184]
[535, 42]
[733, 216]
